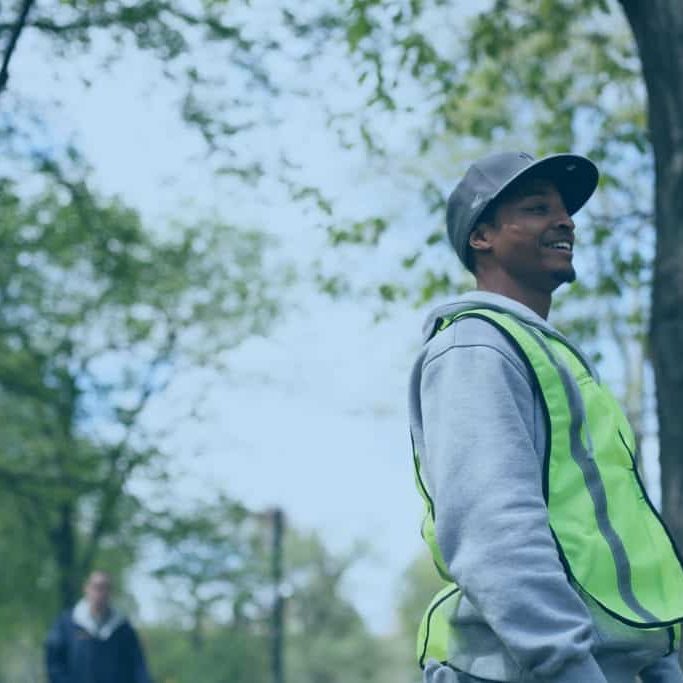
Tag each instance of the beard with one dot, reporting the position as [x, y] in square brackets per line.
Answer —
[567, 275]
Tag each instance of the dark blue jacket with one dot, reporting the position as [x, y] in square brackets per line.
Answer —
[76, 656]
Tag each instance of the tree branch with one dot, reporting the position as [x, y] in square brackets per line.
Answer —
[117, 478]
[17, 28]
[129, 17]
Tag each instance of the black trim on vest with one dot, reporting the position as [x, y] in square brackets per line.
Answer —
[423, 488]
[672, 640]
[439, 602]
[634, 624]
[655, 512]
[563, 559]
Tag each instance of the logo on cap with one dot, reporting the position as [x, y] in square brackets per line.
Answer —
[478, 199]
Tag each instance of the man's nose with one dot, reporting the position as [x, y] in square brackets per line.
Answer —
[564, 220]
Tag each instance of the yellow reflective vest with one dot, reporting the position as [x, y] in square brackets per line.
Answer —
[610, 538]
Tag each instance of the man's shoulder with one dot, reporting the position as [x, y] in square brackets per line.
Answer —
[123, 625]
[472, 333]
[118, 624]
[66, 616]
[61, 627]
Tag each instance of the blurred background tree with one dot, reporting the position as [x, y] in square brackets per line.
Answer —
[97, 316]
[328, 640]
[215, 580]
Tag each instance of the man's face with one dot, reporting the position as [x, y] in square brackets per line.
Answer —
[533, 236]
[98, 592]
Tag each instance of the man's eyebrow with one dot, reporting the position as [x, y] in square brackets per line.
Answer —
[534, 192]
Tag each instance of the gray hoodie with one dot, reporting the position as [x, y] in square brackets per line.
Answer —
[478, 425]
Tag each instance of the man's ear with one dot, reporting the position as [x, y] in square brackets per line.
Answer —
[479, 237]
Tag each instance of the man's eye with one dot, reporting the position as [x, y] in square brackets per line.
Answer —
[538, 208]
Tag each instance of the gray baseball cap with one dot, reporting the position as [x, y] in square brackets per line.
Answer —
[575, 176]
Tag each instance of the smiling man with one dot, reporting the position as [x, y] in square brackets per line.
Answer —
[557, 566]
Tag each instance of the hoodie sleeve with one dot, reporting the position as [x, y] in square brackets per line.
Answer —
[665, 670]
[491, 519]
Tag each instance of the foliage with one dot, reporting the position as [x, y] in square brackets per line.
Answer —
[222, 60]
[571, 80]
[97, 316]
[26, 598]
[229, 655]
[101, 313]
[215, 566]
[327, 641]
[215, 570]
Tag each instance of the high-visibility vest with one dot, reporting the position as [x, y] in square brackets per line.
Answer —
[612, 542]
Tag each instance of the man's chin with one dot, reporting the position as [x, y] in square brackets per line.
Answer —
[567, 275]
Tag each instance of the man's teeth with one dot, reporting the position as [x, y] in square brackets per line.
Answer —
[566, 246]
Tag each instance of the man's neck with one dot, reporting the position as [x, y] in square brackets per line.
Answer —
[99, 615]
[537, 300]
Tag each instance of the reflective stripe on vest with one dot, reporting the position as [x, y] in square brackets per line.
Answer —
[611, 539]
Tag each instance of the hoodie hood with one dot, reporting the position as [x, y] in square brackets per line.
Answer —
[82, 617]
[503, 304]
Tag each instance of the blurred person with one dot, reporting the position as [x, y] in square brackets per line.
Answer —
[558, 566]
[93, 642]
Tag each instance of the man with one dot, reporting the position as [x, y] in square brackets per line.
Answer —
[94, 643]
[558, 567]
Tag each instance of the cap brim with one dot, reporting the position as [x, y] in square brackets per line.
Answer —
[576, 178]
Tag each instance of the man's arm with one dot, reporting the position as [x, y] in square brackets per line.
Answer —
[56, 653]
[491, 519]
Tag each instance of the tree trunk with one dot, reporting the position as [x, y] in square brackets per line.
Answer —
[658, 29]
[197, 633]
[64, 543]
